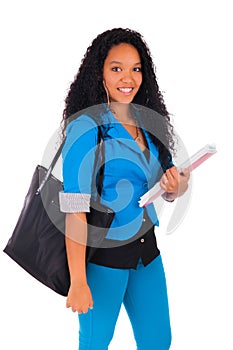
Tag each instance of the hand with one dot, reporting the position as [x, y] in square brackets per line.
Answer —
[79, 298]
[174, 183]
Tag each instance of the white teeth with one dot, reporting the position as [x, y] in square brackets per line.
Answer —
[126, 90]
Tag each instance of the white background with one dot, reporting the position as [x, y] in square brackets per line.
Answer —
[42, 44]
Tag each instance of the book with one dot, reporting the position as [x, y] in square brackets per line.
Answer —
[192, 163]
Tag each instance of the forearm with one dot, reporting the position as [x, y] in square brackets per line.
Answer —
[76, 238]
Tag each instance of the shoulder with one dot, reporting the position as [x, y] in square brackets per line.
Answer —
[83, 123]
[81, 133]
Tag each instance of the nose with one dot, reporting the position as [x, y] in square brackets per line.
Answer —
[127, 76]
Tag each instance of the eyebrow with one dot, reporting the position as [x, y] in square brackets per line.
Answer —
[117, 62]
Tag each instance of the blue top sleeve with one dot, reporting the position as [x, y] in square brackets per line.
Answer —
[79, 155]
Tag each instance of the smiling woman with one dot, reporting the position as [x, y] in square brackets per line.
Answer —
[122, 73]
[117, 74]
[122, 78]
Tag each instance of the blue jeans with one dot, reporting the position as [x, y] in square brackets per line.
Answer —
[144, 295]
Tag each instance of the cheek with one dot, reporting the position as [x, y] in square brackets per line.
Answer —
[139, 80]
[110, 81]
[108, 77]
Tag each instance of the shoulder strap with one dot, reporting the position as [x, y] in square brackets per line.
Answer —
[50, 169]
[58, 153]
[99, 154]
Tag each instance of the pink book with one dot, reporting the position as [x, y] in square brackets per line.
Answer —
[192, 163]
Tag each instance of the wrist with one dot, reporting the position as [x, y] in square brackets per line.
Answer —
[77, 283]
[169, 196]
[78, 280]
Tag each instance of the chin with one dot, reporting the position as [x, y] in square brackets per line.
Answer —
[125, 100]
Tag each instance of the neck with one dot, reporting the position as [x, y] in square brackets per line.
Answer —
[121, 110]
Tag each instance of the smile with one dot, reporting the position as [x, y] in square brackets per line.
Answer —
[127, 90]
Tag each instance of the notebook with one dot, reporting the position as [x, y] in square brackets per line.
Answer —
[192, 163]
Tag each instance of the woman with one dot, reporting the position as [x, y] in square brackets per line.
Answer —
[117, 74]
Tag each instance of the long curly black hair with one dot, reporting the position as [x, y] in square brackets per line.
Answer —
[87, 88]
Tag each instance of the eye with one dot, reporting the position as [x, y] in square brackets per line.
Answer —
[116, 69]
[137, 69]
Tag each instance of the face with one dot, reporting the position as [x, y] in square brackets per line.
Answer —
[122, 73]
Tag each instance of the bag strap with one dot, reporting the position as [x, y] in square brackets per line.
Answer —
[50, 169]
[58, 153]
[99, 153]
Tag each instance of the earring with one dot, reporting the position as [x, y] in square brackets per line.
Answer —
[107, 93]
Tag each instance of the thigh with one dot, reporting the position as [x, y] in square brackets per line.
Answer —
[146, 303]
[108, 287]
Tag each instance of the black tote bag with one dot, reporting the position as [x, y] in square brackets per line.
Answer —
[37, 243]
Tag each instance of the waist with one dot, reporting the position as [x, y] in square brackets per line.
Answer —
[126, 254]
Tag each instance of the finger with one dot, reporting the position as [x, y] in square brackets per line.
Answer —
[172, 177]
[172, 173]
[163, 182]
[84, 311]
[185, 172]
